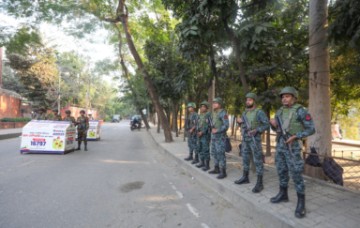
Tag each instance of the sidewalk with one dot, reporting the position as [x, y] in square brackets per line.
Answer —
[327, 206]
[10, 133]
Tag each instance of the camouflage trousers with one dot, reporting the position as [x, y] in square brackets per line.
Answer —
[248, 147]
[192, 143]
[217, 150]
[82, 135]
[285, 164]
[203, 147]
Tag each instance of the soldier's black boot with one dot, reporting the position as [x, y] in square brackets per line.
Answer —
[206, 166]
[259, 185]
[216, 170]
[189, 158]
[300, 208]
[244, 179]
[79, 145]
[201, 164]
[85, 145]
[282, 196]
[222, 174]
[196, 160]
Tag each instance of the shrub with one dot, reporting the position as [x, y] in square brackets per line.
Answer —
[17, 119]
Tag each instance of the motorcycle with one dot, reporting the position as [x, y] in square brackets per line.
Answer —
[135, 124]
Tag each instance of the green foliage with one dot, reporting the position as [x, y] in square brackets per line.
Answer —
[18, 119]
[344, 26]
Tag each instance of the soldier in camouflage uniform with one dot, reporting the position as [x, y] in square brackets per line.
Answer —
[258, 124]
[191, 130]
[69, 118]
[82, 123]
[298, 124]
[41, 114]
[220, 124]
[203, 135]
[55, 116]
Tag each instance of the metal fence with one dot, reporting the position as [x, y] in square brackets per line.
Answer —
[350, 171]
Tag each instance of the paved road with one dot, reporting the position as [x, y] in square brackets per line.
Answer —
[122, 181]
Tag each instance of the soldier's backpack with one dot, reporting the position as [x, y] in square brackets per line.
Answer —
[313, 158]
[333, 170]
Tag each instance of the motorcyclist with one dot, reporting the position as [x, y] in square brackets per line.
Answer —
[136, 121]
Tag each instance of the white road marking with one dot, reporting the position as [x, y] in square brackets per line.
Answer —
[180, 194]
[25, 163]
[204, 225]
[193, 210]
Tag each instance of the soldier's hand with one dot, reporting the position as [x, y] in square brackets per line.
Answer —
[273, 123]
[191, 131]
[199, 134]
[291, 139]
[214, 130]
[253, 132]
[239, 120]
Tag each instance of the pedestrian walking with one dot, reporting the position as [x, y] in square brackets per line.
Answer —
[191, 131]
[219, 126]
[82, 123]
[203, 136]
[292, 123]
[253, 123]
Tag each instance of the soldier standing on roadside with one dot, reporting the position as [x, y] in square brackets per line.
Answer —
[55, 115]
[191, 131]
[203, 134]
[220, 124]
[41, 114]
[252, 141]
[82, 128]
[68, 117]
[298, 124]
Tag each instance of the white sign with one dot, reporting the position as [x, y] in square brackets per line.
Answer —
[94, 130]
[44, 136]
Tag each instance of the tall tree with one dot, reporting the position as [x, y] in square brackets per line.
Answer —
[319, 77]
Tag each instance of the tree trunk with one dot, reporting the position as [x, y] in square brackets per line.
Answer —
[122, 14]
[175, 118]
[319, 78]
[126, 75]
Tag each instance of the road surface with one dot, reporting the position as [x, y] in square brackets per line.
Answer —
[122, 181]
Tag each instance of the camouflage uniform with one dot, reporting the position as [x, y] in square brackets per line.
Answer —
[82, 128]
[55, 117]
[258, 120]
[192, 137]
[204, 139]
[221, 123]
[298, 124]
[70, 119]
[301, 125]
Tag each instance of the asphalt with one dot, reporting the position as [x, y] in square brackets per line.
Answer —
[327, 205]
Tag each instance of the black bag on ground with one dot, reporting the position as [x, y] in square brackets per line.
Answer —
[228, 146]
[333, 170]
[313, 158]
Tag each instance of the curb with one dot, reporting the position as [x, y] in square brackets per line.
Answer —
[9, 136]
[247, 206]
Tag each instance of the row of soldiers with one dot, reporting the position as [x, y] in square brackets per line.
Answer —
[292, 123]
[82, 123]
